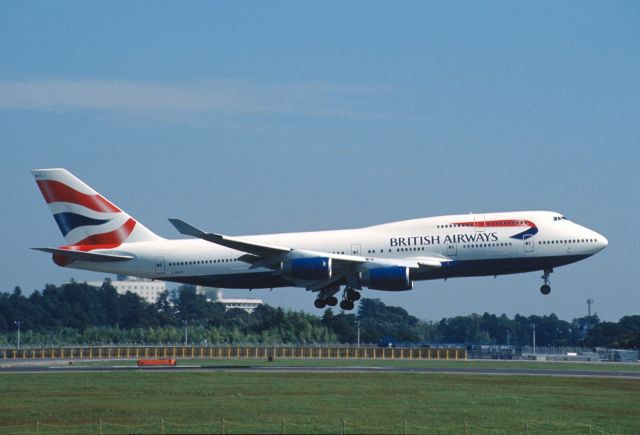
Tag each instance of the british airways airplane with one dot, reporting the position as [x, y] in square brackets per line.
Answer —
[101, 237]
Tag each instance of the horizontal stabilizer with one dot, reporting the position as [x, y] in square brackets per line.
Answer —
[86, 256]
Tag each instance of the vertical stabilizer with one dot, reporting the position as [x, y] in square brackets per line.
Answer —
[86, 218]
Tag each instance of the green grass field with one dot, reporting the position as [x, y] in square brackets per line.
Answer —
[285, 362]
[136, 402]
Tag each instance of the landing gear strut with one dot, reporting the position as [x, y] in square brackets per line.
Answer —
[349, 296]
[546, 288]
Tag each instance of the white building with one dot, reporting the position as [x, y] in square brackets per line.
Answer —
[215, 295]
[147, 289]
[150, 291]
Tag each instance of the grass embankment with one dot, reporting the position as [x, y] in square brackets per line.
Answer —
[315, 402]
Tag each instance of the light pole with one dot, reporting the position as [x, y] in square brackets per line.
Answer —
[358, 322]
[186, 332]
[533, 325]
[18, 323]
[508, 339]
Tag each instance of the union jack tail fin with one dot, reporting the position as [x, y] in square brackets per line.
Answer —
[86, 219]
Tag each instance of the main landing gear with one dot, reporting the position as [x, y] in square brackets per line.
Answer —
[322, 301]
[349, 296]
[546, 288]
[326, 298]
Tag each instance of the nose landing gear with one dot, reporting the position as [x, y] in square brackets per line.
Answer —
[546, 288]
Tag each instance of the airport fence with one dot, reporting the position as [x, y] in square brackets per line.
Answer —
[283, 426]
[256, 352]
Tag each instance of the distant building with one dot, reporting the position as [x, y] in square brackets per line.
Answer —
[147, 289]
[215, 295]
[150, 291]
[622, 355]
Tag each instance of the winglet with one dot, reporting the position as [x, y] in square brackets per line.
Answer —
[190, 230]
[186, 229]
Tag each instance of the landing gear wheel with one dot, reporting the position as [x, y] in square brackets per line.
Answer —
[320, 303]
[546, 288]
[346, 304]
[353, 295]
[332, 301]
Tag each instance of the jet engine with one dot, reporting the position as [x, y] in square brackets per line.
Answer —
[312, 269]
[393, 278]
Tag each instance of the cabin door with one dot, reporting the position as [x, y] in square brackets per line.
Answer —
[356, 249]
[452, 250]
[159, 265]
[527, 240]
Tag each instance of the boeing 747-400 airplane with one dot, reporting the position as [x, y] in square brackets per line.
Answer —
[101, 237]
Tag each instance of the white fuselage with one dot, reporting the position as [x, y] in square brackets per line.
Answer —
[470, 245]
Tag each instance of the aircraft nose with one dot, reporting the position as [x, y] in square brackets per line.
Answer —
[601, 241]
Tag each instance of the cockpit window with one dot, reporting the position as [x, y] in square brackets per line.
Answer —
[560, 218]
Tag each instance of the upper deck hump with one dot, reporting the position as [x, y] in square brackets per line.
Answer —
[458, 218]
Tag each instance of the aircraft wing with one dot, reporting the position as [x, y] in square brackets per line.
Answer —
[259, 249]
[86, 256]
[270, 256]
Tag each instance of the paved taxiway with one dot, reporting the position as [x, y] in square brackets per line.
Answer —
[324, 369]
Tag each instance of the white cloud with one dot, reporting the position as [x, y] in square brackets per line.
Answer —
[230, 96]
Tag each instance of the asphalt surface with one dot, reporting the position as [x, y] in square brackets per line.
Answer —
[323, 369]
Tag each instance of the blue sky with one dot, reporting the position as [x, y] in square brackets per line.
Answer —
[257, 117]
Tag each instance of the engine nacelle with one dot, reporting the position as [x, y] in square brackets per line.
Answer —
[315, 268]
[393, 278]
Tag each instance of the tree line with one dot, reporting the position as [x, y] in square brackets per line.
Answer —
[76, 313]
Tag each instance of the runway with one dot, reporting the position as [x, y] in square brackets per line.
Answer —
[324, 369]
